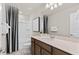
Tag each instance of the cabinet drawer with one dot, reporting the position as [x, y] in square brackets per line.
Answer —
[43, 45]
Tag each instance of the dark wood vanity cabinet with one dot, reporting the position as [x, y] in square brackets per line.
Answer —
[32, 46]
[41, 48]
[59, 52]
[44, 52]
[37, 50]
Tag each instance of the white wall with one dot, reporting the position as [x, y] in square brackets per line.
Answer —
[24, 31]
[61, 19]
[3, 29]
[0, 25]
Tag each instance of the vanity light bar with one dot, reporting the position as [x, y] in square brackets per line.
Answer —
[53, 5]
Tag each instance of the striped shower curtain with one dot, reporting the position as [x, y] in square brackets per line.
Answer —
[12, 35]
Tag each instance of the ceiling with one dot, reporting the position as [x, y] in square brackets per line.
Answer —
[29, 8]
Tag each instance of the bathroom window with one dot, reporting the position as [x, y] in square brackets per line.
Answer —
[74, 24]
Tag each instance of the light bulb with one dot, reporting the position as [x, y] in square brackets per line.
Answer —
[55, 5]
[47, 5]
[51, 7]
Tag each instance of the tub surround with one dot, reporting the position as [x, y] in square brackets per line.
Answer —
[64, 43]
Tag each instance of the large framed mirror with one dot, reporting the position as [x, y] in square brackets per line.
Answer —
[36, 24]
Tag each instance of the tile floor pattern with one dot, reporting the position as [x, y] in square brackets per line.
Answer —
[24, 51]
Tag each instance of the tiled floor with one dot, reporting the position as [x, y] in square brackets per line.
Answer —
[24, 51]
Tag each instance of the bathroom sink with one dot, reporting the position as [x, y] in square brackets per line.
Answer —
[45, 37]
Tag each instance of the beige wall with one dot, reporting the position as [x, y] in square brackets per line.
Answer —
[61, 19]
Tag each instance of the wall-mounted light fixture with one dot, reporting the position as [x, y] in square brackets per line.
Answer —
[53, 5]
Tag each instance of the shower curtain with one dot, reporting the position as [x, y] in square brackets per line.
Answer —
[12, 35]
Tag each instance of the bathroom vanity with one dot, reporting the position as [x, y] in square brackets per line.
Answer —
[54, 46]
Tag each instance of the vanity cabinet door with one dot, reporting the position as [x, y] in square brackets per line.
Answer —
[37, 50]
[59, 52]
[32, 48]
[44, 52]
[43, 45]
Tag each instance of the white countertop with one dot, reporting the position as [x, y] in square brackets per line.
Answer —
[67, 44]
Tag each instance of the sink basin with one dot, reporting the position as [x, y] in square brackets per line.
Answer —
[44, 36]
